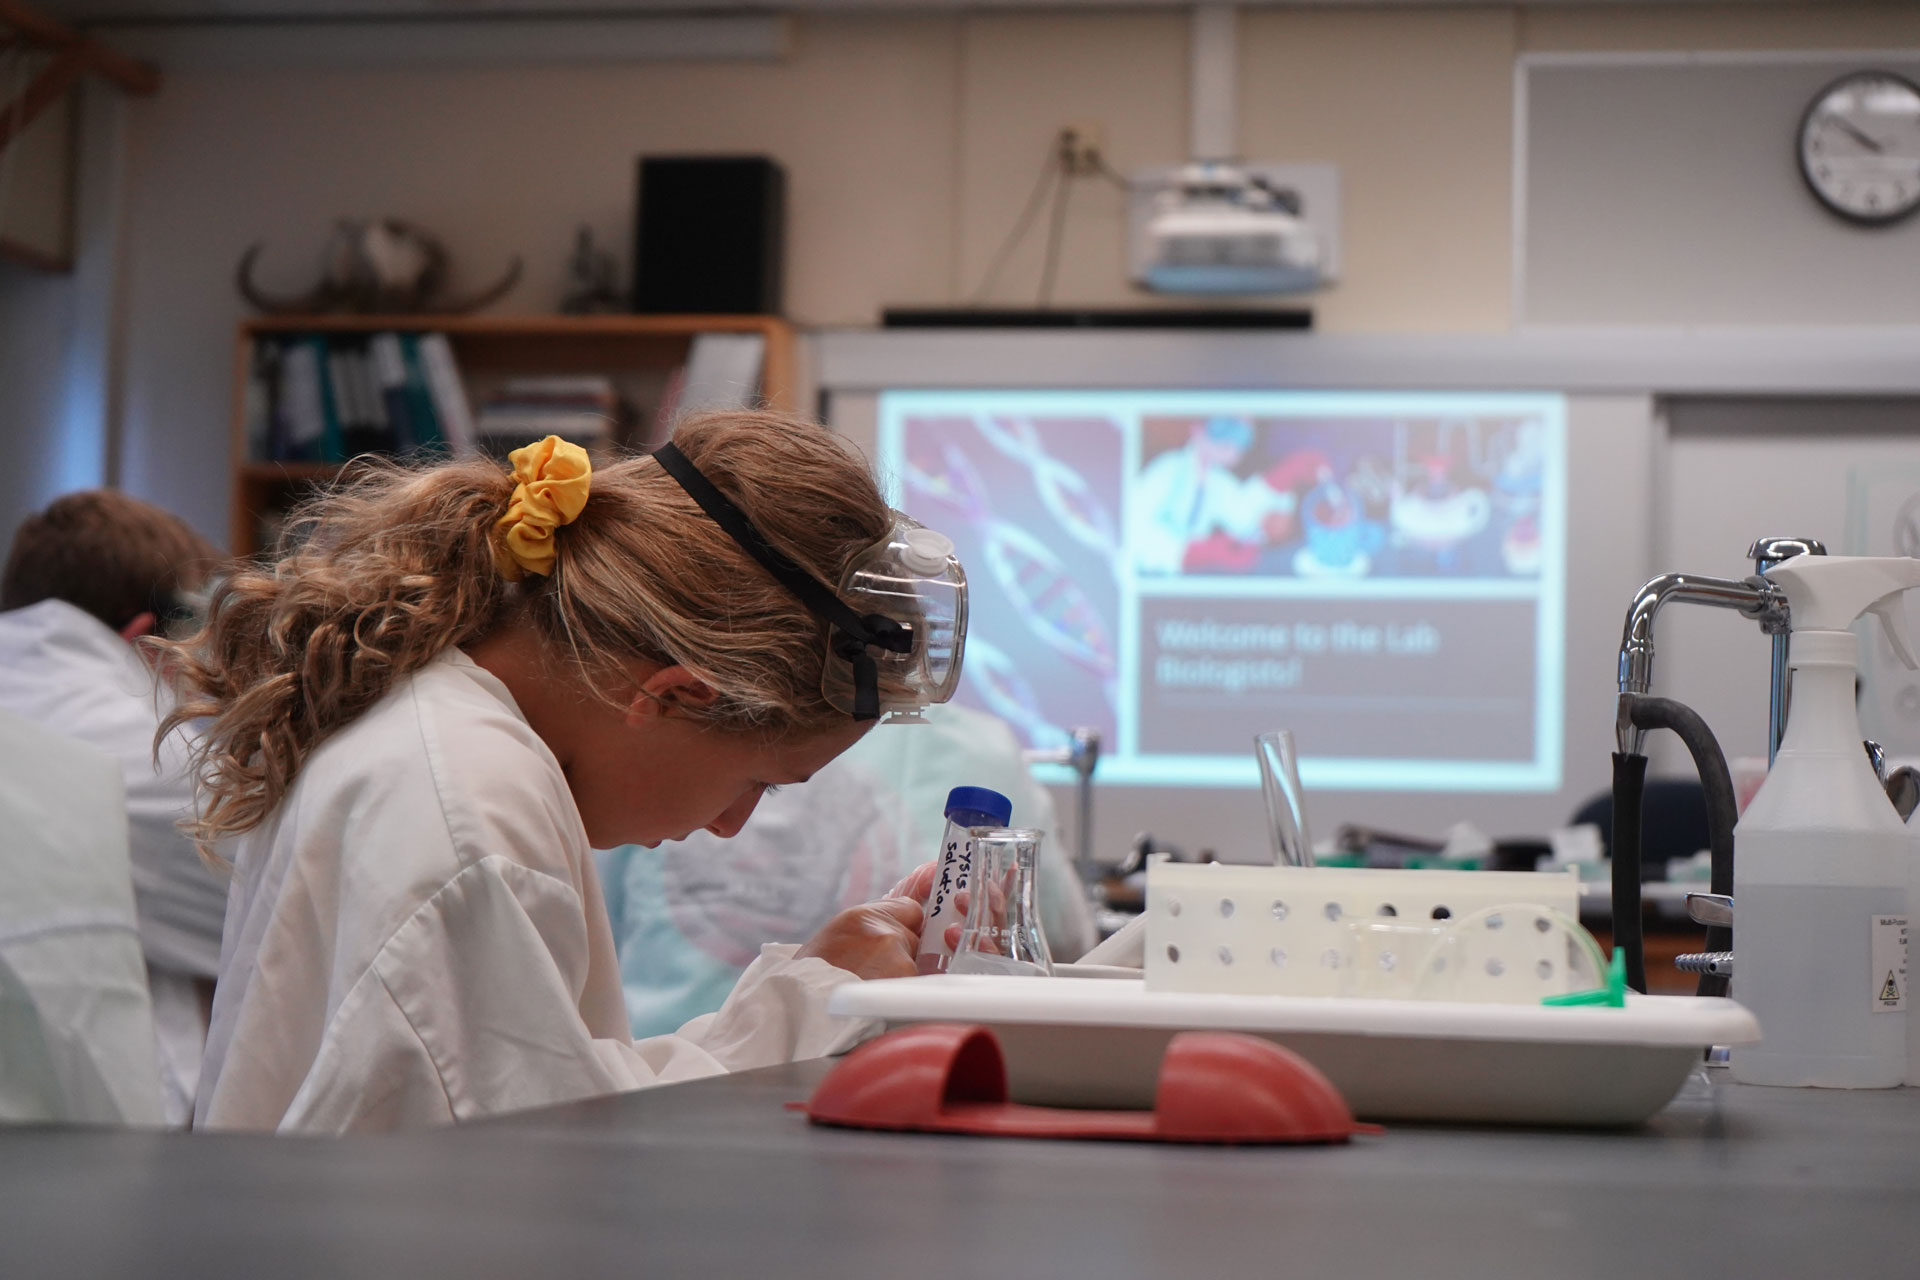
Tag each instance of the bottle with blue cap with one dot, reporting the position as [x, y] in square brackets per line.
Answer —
[967, 809]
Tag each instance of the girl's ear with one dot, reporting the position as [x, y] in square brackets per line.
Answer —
[669, 691]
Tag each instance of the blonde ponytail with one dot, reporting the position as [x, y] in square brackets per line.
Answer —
[394, 565]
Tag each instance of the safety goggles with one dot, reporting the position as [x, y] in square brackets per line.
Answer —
[897, 626]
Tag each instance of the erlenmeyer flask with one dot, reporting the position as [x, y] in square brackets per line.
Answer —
[1002, 933]
[1286, 804]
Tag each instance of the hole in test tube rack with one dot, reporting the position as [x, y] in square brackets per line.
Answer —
[1441, 913]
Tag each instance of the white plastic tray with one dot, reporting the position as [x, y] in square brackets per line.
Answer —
[1071, 1042]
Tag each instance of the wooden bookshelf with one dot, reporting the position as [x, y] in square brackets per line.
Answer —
[635, 350]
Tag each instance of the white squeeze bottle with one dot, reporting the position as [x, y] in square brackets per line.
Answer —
[1821, 860]
[1913, 896]
[967, 808]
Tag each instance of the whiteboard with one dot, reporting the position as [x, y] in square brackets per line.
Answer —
[1665, 189]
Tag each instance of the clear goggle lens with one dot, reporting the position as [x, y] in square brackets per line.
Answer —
[913, 577]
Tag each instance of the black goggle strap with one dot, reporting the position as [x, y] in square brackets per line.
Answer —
[853, 632]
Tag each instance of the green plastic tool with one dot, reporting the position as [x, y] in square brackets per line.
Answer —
[1612, 996]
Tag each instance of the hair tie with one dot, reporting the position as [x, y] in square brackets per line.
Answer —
[554, 478]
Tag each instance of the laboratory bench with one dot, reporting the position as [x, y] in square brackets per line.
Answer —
[718, 1178]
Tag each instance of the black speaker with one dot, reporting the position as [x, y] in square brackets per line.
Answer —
[708, 234]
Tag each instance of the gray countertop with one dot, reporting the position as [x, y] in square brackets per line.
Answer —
[717, 1178]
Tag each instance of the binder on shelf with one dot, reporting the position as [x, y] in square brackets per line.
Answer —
[389, 365]
[346, 402]
[332, 445]
[265, 427]
[374, 431]
[303, 402]
[450, 404]
[419, 398]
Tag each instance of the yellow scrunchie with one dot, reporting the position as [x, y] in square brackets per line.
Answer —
[554, 478]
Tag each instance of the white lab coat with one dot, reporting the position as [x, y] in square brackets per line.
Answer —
[76, 1035]
[64, 669]
[1177, 501]
[416, 935]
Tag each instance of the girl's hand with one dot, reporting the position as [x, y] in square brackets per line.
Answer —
[918, 884]
[877, 940]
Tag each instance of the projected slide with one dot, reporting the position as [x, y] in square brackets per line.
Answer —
[1380, 573]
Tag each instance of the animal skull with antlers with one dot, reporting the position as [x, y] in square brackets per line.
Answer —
[376, 266]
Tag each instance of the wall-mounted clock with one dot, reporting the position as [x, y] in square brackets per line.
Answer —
[1860, 147]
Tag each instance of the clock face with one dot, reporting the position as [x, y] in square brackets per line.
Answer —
[1860, 147]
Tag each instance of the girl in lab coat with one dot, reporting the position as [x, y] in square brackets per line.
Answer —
[425, 717]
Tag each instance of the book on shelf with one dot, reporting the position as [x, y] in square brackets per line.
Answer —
[446, 392]
[329, 397]
[301, 426]
[261, 402]
[387, 361]
[583, 409]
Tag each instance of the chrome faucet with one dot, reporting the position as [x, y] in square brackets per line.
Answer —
[1753, 597]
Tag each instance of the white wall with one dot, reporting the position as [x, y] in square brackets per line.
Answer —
[911, 142]
[36, 317]
[501, 162]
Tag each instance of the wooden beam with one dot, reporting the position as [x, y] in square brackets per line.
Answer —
[35, 28]
[46, 89]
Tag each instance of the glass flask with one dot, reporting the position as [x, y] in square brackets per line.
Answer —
[1002, 934]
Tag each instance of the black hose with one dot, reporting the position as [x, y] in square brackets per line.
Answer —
[1629, 781]
[1664, 713]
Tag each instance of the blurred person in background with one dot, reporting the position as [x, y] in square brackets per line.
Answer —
[86, 580]
[689, 915]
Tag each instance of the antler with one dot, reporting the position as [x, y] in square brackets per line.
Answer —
[486, 297]
[315, 300]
